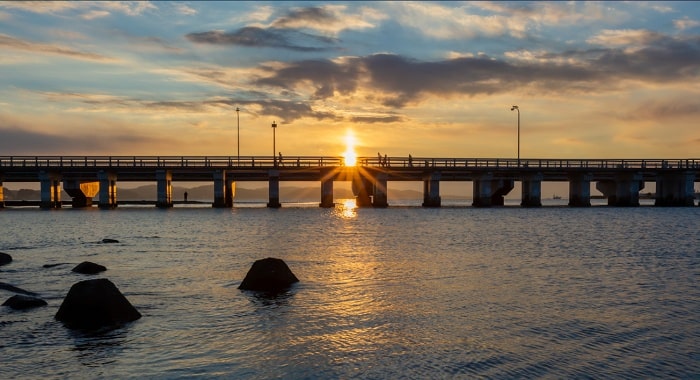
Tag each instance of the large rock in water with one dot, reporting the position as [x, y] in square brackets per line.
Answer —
[22, 302]
[95, 303]
[268, 274]
[5, 258]
[88, 267]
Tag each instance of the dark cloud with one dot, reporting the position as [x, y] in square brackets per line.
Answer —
[395, 80]
[258, 37]
[311, 15]
[287, 110]
[377, 119]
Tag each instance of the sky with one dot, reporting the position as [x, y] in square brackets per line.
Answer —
[430, 79]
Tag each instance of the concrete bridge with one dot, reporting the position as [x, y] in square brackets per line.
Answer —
[620, 180]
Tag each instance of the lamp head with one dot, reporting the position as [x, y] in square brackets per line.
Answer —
[513, 108]
[274, 124]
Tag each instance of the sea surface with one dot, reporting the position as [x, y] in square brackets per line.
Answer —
[398, 293]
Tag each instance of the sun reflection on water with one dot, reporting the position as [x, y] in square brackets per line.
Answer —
[347, 209]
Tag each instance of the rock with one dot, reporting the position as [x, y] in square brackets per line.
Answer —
[15, 289]
[5, 259]
[53, 265]
[92, 304]
[109, 241]
[87, 267]
[22, 302]
[268, 274]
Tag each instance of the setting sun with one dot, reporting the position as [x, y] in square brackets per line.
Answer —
[349, 155]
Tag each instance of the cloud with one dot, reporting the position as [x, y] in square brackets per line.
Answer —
[685, 23]
[94, 14]
[131, 8]
[396, 81]
[258, 37]
[625, 37]
[329, 19]
[185, 9]
[18, 44]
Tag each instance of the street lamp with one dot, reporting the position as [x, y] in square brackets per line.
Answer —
[274, 149]
[238, 136]
[516, 108]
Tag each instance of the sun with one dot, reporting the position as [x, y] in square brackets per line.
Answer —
[349, 155]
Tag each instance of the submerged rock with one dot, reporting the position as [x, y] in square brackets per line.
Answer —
[22, 302]
[5, 258]
[92, 304]
[15, 289]
[88, 267]
[109, 241]
[268, 274]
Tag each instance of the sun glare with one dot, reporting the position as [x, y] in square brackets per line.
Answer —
[350, 156]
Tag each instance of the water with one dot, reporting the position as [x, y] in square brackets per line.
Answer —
[403, 292]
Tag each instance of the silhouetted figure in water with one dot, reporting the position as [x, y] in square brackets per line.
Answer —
[185, 197]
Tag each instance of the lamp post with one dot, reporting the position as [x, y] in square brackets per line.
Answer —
[274, 149]
[238, 136]
[516, 108]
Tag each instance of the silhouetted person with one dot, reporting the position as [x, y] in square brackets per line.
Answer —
[280, 160]
[386, 160]
[185, 197]
[410, 160]
[379, 156]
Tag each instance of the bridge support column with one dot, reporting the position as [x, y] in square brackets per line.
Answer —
[379, 199]
[164, 179]
[623, 191]
[108, 190]
[222, 197]
[326, 191]
[81, 192]
[431, 190]
[580, 189]
[491, 192]
[532, 190]
[482, 191]
[50, 190]
[675, 189]
[362, 189]
[230, 192]
[274, 189]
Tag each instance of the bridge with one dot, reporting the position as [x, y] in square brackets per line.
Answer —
[619, 180]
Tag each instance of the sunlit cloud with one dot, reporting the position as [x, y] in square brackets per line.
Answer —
[685, 23]
[20, 44]
[329, 19]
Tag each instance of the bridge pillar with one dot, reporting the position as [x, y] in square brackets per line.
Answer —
[81, 192]
[108, 190]
[482, 191]
[623, 191]
[675, 189]
[220, 189]
[431, 190]
[580, 189]
[532, 190]
[379, 198]
[50, 190]
[491, 192]
[164, 179]
[326, 191]
[230, 192]
[361, 188]
[274, 189]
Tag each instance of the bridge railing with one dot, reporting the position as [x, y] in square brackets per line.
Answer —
[37, 162]
[505, 163]
[166, 161]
